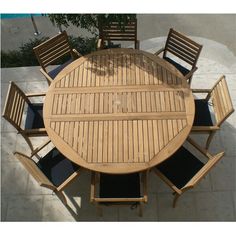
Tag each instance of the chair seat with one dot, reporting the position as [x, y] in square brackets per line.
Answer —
[53, 73]
[119, 186]
[57, 167]
[182, 69]
[202, 113]
[180, 167]
[34, 117]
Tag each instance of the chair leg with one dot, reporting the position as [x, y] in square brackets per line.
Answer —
[99, 210]
[62, 197]
[140, 209]
[209, 140]
[175, 199]
[29, 142]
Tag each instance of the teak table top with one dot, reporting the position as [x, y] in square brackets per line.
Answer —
[118, 111]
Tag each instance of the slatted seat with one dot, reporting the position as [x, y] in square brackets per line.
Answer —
[16, 103]
[116, 31]
[122, 189]
[183, 170]
[52, 171]
[222, 107]
[184, 49]
[51, 50]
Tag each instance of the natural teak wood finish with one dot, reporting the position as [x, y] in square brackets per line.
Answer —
[183, 48]
[115, 31]
[15, 105]
[53, 49]
[118, 111]
[193, 181]
[218, 96]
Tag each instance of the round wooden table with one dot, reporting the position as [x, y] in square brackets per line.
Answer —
[118, 111]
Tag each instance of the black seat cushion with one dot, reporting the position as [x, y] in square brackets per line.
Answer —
[112, 45]
[180, 167]
[56, 167]
[53, 73]
[182, 69]
[202, 113]
[119, 186]
[34, 116]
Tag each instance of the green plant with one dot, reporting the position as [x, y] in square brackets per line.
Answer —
[25, 55]
[91, 22]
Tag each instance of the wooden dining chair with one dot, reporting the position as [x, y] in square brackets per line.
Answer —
[219, 99]
[16, 105]
[183, 170]
[182, 52]
[123, 189]
[117, 31]
[50, 51]
[53, 170]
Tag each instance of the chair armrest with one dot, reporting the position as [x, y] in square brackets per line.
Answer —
[199, 148]
[35, 94]
[201, 90]
[39, 131]
[36, 150]
[99, 44]
[204, 128]
[190, 73]
[76, 53]
[159, 51]
[49, 79]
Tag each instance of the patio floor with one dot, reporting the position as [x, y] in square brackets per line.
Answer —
[214, 199]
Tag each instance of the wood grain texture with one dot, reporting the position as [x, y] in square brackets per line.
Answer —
[118, 111]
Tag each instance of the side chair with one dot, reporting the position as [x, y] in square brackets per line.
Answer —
[118, 189]
[53, 171]
[16, 104]
[183, 170]
[115, 31]
[53, 49]
[182, 52]
[219, 99]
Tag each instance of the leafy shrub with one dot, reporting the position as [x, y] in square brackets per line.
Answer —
[25, 55]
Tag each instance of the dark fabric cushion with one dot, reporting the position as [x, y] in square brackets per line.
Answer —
[53, 73]
[180, 167]
[34, 116]
[119, 186]
[112, 45]
[202, 113]
[182, 69]
[57, 167]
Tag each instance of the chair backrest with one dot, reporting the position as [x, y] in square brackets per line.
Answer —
[52, 49]
[182, 47]
[222, 103]
[14, 106]
[33, 170]
[115, 31]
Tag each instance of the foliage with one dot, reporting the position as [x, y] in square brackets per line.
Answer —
[91, 22]
[25, 55]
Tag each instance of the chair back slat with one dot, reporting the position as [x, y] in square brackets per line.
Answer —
[33, 170]
[221, 100]
[182, 47]
[14, 106]
[52, 49]
[119, 31]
